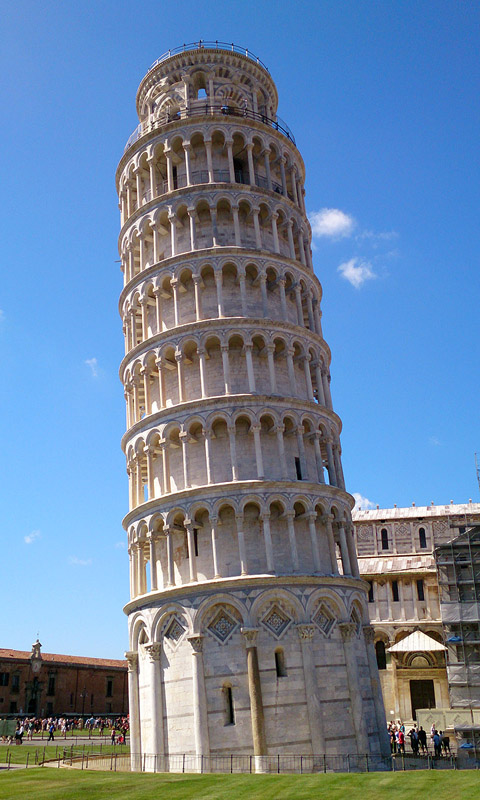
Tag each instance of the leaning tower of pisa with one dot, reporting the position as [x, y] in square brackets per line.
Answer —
[248, 624]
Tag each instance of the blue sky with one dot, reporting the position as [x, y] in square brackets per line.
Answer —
[383, 101]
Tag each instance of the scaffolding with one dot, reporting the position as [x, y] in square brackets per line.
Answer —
[458, 573]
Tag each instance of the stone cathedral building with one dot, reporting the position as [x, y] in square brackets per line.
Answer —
[248, 621]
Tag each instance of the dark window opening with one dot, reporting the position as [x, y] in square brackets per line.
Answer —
[280, 664]
[51, 685]
[4, 678]
[384, 539]
[370, 592]
[13, 707]
[381, 655]
[422, 538]
[420, 590]
[395, 591]
[298, 469]
[229, 710]
[15, 683]
[238, 169]
[49, 708]
[109, 687]
[175, 177]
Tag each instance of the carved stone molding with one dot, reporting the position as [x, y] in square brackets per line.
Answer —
[196, 642]
[250, 635]
[132, 660]
[154, 651]
[368, 633]
[348, 631]
[306, 632]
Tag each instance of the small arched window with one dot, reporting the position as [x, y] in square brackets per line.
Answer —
[280, 664]
[422, 536]
[381, 655]
[384, 534]
[229, 711]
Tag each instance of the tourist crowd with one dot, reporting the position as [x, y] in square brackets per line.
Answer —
[417, 737]
[28, 727]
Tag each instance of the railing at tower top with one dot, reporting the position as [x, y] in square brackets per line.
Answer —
[216, 45]
[208, 110]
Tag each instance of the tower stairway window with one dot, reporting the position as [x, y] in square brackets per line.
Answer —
[280, 665]
[229, 709]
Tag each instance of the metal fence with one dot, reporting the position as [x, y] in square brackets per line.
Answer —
[272, 764]
[206, 109]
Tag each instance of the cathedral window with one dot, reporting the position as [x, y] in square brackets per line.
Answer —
[371, 598]
[422, 538]
[384, 535]
[395, 591]
[420, 590]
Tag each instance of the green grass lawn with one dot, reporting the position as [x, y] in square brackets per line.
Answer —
[53, 784]
[18, 753]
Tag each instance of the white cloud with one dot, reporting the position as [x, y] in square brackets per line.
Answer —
[356, 271]
[120, 545]
[332, 223]
[382, 236]
[79, 562]
[362, 502]
[31, 537]
[93, 364]
[434, 441]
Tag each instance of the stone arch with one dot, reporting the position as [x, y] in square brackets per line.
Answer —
[164, 614]
[138, 624]
[218, 600]
[284, 598]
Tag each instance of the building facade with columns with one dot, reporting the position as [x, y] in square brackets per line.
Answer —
[248, 621]
[396, 555]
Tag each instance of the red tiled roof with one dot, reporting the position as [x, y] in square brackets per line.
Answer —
[82, 661]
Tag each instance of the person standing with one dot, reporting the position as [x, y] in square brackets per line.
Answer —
[422, 739]
[51, 729]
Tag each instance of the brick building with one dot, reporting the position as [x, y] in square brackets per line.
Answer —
[43, 684]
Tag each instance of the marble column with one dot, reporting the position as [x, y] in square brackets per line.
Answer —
[255, 694]
[314, 707]
[134, 709]
[268, 542]
[154, 652]
[384, 742]
[199, 703]
[349, 637]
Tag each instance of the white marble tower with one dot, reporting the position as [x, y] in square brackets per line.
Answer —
[248, 623]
